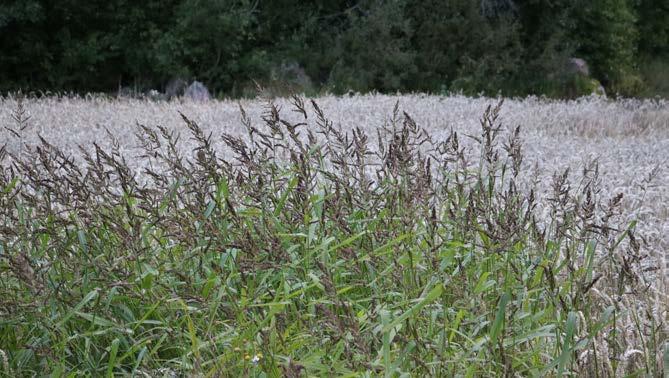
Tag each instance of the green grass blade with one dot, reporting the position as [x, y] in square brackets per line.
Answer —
[499, 317]
[429, 298]
[89, 297]
[112, 357]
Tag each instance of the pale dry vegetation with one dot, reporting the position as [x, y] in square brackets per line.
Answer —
[628, 138]
[336, 237]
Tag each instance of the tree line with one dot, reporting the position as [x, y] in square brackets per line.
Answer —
[513, 47]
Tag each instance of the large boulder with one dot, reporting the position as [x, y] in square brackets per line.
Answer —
[196, 91]
[294, 74]
[580, 83]
[578, 66]
[175, 88]
[287, 78]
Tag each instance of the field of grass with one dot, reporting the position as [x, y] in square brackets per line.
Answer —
[348, 236]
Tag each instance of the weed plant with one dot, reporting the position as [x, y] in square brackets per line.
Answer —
[306, 251]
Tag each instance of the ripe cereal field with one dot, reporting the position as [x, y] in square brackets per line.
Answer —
[577, 158]
[628, 138]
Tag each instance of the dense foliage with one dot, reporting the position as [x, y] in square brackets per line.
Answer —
[307, 250]
[514, 46]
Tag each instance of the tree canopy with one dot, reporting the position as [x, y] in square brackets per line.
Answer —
[515, 47]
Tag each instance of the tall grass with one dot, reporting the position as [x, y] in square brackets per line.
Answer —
[305, 251]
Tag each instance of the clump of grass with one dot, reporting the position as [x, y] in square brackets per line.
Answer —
[307, 251]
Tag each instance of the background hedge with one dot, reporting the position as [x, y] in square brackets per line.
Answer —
[515, 47]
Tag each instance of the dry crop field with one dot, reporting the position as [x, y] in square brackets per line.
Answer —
[598, 147]
[628, 138]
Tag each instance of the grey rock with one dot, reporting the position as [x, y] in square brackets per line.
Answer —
[287, 78]
[155, 95]
[175, 88]
[578, 66]
[196, 91]
[293, 73]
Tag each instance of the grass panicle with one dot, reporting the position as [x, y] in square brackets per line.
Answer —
[306, 249]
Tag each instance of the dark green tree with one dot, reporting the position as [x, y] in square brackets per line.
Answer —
[607, 36]
[547, 27]
[208, 41]
[514, 46]
[24, 61]
[374, 51]
[303, 33]
[462, 47]
[653, 25]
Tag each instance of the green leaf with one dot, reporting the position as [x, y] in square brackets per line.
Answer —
[210, 209]
[282, 201]
[499, 317]
[665, 358]
[387, 340]
[565, 356]
[140, 357]
[422, 302]
[386, 248]
[112, 357]
[223, 190]
[456, 323]
[484, 284]
[563, 359]
[82, 240]
[89, 297]
[347, 242]
[541, 332]
[97, 320]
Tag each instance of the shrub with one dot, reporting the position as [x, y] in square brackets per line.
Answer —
[373, 51]
[655, 73]
[309, 249]
[458, 46]
[611, 44]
